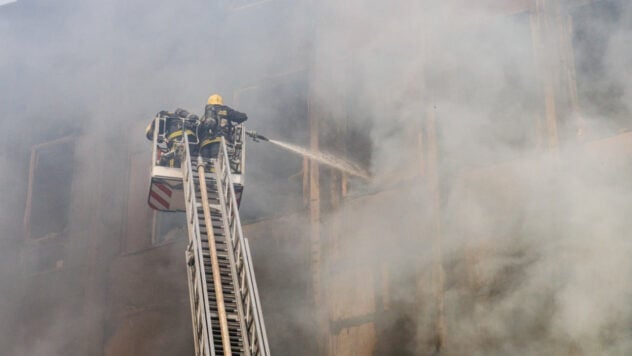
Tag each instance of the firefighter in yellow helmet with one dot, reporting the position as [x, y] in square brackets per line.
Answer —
[218, 121]
[215, 99]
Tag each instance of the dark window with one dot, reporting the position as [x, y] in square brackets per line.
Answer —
[169, 226]
[49, 192]
[145, 226]
[601, 39]
[273, 176]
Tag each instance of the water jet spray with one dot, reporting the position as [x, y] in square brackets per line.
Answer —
[321, 157]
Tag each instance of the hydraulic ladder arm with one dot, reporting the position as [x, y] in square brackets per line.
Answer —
[225, 307]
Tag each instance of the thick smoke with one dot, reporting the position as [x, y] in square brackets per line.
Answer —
[535, 242]
[535, 245]
[98, 71]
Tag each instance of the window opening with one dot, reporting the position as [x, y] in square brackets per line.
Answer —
[168, 226]
[601, 35]
[49, 190]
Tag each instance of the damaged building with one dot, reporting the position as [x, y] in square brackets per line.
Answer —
[497, 134]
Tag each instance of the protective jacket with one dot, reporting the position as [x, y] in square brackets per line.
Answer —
[149, 131]
[179, 123]
[174, 123]
[219, 121]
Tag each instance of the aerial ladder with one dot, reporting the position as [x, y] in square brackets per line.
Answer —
[225, 307]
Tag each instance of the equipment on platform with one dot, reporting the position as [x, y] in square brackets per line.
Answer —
[165, 192]
[225, 308]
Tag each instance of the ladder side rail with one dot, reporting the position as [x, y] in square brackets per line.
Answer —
[250, 312]
[201, 329]
[222, 172]
[194, 288]
[242, 138]
[192, 294]
[215, 266]
[245, 259]
[261, 329]
[207, 348]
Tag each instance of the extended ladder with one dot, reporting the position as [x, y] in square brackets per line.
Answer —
[225, 307]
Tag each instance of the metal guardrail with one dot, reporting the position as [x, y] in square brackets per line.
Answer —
[254, 333]
[198, 289]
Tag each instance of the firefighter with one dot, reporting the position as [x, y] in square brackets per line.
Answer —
[171, 132]
[149, 131]
[219, 121]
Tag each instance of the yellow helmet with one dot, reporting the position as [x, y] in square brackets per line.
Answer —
[215, 100]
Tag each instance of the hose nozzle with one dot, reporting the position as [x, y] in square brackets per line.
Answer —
[256, 137]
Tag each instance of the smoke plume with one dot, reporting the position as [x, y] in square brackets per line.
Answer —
[532, 237]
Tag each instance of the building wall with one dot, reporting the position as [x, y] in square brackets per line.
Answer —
[355, 295]
[148, 304]
[114, 281]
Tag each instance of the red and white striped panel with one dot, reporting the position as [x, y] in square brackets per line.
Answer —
[160, 196]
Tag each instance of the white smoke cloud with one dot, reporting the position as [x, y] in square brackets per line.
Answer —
[536, 259]
[535, 246]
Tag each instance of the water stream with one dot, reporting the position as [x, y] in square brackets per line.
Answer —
[326, 159]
